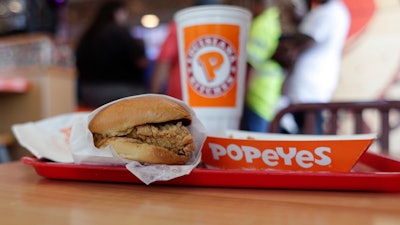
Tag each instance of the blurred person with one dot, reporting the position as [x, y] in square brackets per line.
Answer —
[110, 62]
[316, 70]
[265, 75]
[166, 77]
[291, 43]
[299, 10]
[294, 11]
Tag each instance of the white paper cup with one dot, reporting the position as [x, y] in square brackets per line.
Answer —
[212, 52]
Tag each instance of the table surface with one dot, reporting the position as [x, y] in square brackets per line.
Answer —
[26, 198]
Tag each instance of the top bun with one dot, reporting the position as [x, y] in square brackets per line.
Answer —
[122, 115]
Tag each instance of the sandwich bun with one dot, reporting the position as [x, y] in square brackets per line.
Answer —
[149, 129]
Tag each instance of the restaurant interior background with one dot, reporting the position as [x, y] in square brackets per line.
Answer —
[38, 37]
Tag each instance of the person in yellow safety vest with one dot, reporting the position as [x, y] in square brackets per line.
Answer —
[266, 76]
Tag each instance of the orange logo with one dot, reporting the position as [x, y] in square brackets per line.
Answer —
[312, 155]
[211, 66]
[67, 133]
[210, 62]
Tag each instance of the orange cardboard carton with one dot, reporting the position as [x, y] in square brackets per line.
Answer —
[251, 150]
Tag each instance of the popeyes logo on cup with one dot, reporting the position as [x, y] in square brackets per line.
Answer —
[212, 64]
[311, 155]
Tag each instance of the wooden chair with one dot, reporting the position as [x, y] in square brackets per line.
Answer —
[381, 117]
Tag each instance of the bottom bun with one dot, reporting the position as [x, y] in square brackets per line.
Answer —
[146, 153]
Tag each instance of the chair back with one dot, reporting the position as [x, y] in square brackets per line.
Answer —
[381, 117]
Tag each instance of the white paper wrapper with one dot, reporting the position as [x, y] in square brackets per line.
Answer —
[49, 139]
[84, 151]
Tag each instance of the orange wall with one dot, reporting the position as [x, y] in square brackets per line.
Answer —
[361, 12]
[371, 60]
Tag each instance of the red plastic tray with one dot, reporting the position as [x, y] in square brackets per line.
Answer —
[384, 178]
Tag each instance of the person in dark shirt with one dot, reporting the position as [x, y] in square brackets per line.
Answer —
[109, 61]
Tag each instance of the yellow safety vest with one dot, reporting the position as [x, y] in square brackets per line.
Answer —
[264, 89]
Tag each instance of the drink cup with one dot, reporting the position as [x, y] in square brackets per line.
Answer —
[212, 52]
